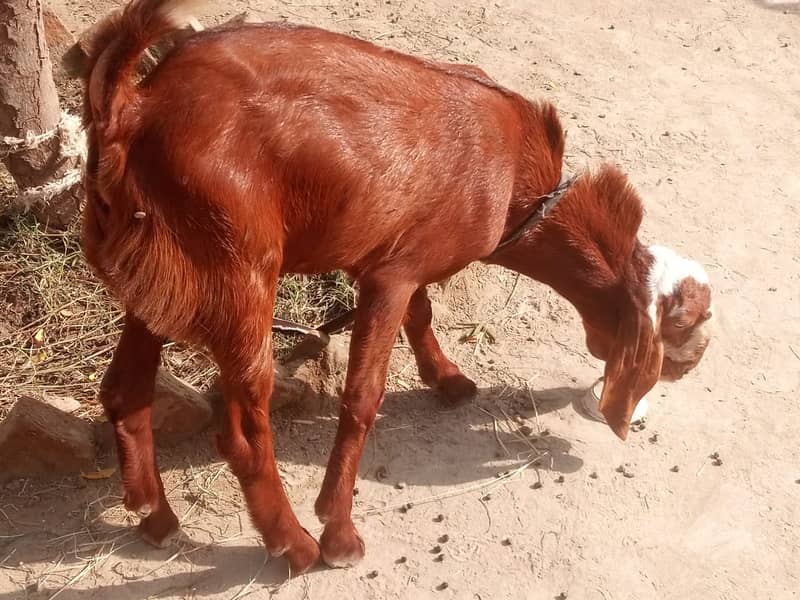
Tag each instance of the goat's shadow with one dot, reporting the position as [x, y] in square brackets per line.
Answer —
[415, 441]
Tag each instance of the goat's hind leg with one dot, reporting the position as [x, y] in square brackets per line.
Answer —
[246, 442]
[127, 397]
[435, 369]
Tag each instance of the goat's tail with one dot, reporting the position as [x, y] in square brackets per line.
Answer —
[110, 69]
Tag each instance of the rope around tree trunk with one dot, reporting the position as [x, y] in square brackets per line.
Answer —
[71, 144]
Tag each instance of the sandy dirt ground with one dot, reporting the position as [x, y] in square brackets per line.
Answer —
[699, 101]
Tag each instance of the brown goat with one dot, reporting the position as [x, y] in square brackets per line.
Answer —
[256, 150]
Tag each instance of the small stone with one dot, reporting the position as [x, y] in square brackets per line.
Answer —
[372, 575]
[525, 430]
[487, 497]
[610, 27]
[381, 473]
[562, 596]
[37, 439]
[506, 542]
[436, 549]
[63, 403]
[402, 560]
[243, 17]
[620, 469]
[438, 518]
[355, 491]
[715, 455]
[675, 469]
[439, 558]
[628, 474]
[400, 485]
[653, 438]
[593, 474]
[602, 116]
[560, 479]
[444, 539]
[442, 586]
[717, 462]
[537, 485]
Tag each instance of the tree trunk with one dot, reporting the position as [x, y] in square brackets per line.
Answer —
[29, 105]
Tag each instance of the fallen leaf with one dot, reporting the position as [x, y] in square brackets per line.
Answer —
[38, 337]
[101, 474]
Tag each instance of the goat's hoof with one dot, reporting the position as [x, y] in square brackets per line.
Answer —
[303, 555]
[159, 528]
[456, 389]
[341, 544]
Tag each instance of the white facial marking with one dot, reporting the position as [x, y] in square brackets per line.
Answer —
[667, 272]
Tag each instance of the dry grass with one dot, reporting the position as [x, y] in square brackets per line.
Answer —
[59, 327]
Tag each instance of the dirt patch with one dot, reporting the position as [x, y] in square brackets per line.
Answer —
[698, 103]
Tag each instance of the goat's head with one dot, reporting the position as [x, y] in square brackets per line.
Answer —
[663, 340]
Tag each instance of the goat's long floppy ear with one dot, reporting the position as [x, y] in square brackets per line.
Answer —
[632, 369]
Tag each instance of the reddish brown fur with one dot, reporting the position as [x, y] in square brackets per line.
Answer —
[682, 313]
[256, 150]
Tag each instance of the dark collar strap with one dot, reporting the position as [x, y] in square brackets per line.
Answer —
[550, 201]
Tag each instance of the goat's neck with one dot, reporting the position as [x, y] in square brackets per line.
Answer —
[571, 258]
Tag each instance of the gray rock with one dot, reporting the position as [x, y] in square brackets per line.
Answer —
[37, 439]
[179, 410]
[313, 376]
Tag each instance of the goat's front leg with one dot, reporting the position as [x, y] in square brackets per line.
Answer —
[246, 440]
[435, 369]
[381, 308]
[127, 397]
